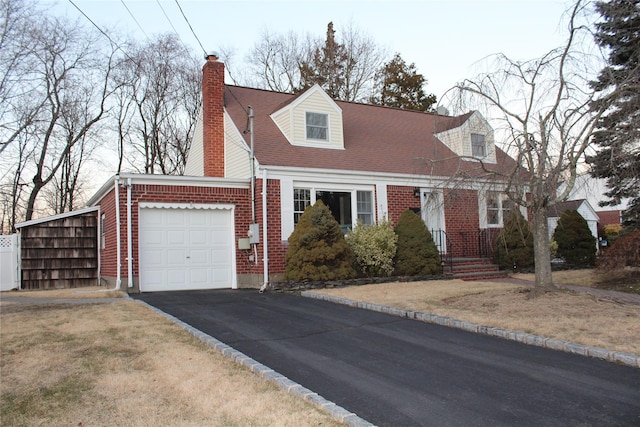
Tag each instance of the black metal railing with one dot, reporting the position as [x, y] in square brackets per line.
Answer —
[475, 243]
[444, 245]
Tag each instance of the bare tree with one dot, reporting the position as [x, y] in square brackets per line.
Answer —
[16, 63]
[275, 61]
[54, 90]
[345, 62]
[543, 110]
[157, 105]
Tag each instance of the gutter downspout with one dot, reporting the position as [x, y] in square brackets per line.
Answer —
[129, 239]
[118, 241]
[264, 232]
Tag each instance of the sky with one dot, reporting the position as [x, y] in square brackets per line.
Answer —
[444, 38]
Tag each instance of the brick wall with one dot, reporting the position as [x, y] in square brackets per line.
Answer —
[399, 199]
[461, 214]
[239, 197]
[213, 117]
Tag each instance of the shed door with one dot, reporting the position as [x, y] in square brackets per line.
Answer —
[183, 249]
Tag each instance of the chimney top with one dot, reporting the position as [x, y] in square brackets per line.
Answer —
[211, 56]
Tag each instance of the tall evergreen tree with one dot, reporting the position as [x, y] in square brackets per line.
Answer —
[400, 85]
[327, 67]
[618, 135]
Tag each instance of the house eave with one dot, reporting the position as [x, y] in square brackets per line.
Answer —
[169, 180]
[56, 217]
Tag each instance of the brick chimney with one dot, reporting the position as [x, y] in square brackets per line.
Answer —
[213, 116]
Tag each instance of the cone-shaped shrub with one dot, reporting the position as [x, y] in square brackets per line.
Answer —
[576, 244]
[374, 247]
[417, 254]
[317, 248]
[514, 245]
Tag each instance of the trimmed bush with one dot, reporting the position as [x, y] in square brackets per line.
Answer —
[317, 248]
[417, 254]
[576, 244]
[514, 245]
[374, 247]
[624, 252]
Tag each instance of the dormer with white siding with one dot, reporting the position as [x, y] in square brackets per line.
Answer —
[312, 119]
[473, 139]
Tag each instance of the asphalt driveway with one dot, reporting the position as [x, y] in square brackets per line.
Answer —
[398, 372]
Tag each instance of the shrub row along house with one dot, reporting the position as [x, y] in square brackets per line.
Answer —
[259, 158]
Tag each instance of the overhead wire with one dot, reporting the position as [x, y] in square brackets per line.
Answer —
[191, 28]
[134, 19]
[172, 26]
[113, 43]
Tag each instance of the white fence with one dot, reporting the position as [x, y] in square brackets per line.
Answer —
[9, 262]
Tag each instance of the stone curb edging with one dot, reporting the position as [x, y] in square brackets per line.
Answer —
[336, 412]
[523, 337]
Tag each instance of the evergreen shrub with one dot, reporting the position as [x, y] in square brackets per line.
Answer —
[576, 244]
[317, 248]
[417, 254]
[514, 245]
[374, 247]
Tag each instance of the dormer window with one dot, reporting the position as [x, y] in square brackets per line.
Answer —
[478, 145]
[317, 126]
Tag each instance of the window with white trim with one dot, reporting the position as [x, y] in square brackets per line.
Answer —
[365, 207]
[478, 145]
[498, 208]
[340, 203]
[317, 126]
[102, 232]
[301, 199]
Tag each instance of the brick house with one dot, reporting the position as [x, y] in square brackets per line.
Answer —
[258, 158]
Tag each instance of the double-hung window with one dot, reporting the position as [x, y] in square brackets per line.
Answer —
[478, 145]
[498, 208]
[317, 126]
[301, 199]
[365, 207]
[493, 208]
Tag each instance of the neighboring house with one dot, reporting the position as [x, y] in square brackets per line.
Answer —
[593, 189]
[583, 207]
[227, 221]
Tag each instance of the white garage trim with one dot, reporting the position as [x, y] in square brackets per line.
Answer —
[181, 247]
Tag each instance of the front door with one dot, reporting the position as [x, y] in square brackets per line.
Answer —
[433, 215]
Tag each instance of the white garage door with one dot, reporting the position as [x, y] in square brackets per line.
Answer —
[183, 249]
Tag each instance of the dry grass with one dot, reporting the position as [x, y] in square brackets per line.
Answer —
[564, 315]
[122, 364]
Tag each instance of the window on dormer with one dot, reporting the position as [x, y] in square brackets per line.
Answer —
[478, 145]
[317, 126]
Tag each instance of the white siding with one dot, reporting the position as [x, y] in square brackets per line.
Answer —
[195, 158]
[283, 121]
[291, 120]
[237, 163]
[459, 139]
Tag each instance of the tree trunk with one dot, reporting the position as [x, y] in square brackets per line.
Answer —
[541, 251]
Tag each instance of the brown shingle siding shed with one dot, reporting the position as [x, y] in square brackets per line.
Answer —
[60, 251]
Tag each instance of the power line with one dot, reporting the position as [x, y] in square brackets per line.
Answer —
[190, 27]
[134, 19]
[113, 43]
[171, 23]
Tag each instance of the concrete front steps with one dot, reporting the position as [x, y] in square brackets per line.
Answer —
[476, 269]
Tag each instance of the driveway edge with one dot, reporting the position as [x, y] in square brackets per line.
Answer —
[336, 412]
[620, 358]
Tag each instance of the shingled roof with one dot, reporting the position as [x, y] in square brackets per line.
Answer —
[376, 139]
